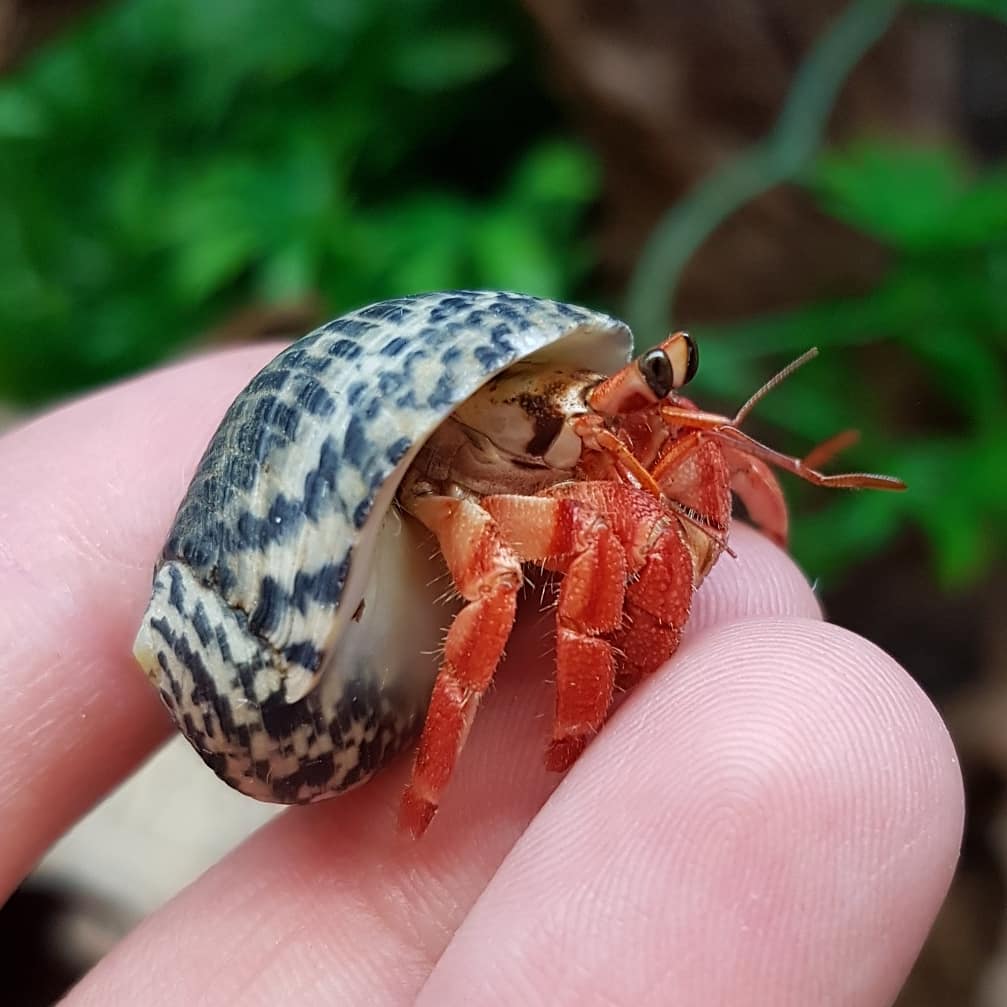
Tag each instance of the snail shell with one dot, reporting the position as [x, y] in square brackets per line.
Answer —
[293, 627]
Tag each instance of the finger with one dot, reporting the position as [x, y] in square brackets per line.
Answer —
[88, 494]
[82, 524]
[776, 823]
[331, 899]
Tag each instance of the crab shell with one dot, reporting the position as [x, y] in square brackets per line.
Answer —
[293, 628]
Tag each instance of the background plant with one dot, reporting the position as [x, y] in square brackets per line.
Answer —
[918, 363]
[156, 177]
[939, 320]
[172, 160]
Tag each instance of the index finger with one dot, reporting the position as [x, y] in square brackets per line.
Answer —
[88, 494]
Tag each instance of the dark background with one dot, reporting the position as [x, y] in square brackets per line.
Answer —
[771, 175]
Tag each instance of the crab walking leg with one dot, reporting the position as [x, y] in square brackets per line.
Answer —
[759, 490]
[658, 603]
[573, 539]
[487, 573]
[723, 429]
[828, 449]
[661, 574]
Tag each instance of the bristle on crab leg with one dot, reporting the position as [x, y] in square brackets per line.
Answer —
[579, 543]
[488, 575]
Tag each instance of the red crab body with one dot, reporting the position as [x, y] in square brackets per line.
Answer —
[620, 485]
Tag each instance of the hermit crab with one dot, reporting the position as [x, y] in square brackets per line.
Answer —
[294, 632]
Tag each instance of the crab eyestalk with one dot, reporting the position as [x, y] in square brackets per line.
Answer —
[651, 378]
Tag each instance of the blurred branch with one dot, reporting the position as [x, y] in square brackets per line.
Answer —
[784, 152]
[24, 24]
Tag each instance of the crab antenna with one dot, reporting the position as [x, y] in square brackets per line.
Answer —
[772, 383]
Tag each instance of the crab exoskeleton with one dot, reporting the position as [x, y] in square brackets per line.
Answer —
[292, 623]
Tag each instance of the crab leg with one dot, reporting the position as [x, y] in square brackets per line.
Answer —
[821, 453]
[723, 429]
[842, 480]
[657, 604]
[605, 440]
[573, 539]
[759, 490]
[660, 570]
[689, 467]
[692, 471]
[487, 573]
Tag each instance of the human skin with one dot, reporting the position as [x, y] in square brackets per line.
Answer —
[773, 818]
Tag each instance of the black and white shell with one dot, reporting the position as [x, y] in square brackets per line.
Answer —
[293, 627]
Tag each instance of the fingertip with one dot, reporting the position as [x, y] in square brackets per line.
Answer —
[775, 815]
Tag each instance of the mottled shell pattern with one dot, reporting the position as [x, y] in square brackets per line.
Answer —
[293, 627]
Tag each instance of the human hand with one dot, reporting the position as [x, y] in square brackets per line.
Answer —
[773, 819]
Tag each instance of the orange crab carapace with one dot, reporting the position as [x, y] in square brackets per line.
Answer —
[618, 483]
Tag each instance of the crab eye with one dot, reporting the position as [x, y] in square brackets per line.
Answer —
[692, 358]
[669, 366]
[658, 372]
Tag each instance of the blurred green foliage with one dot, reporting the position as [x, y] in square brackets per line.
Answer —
[919, 363]
[173, 160]
[992, 8]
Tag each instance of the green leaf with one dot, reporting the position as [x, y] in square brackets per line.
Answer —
[915, 199]
[969, 369]
[849, 529]
[993, 8]
[21, 115]
[952, 505]
[511, 252]
[556, 173]
[290, 272]
[167, 161]
[447, 59]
